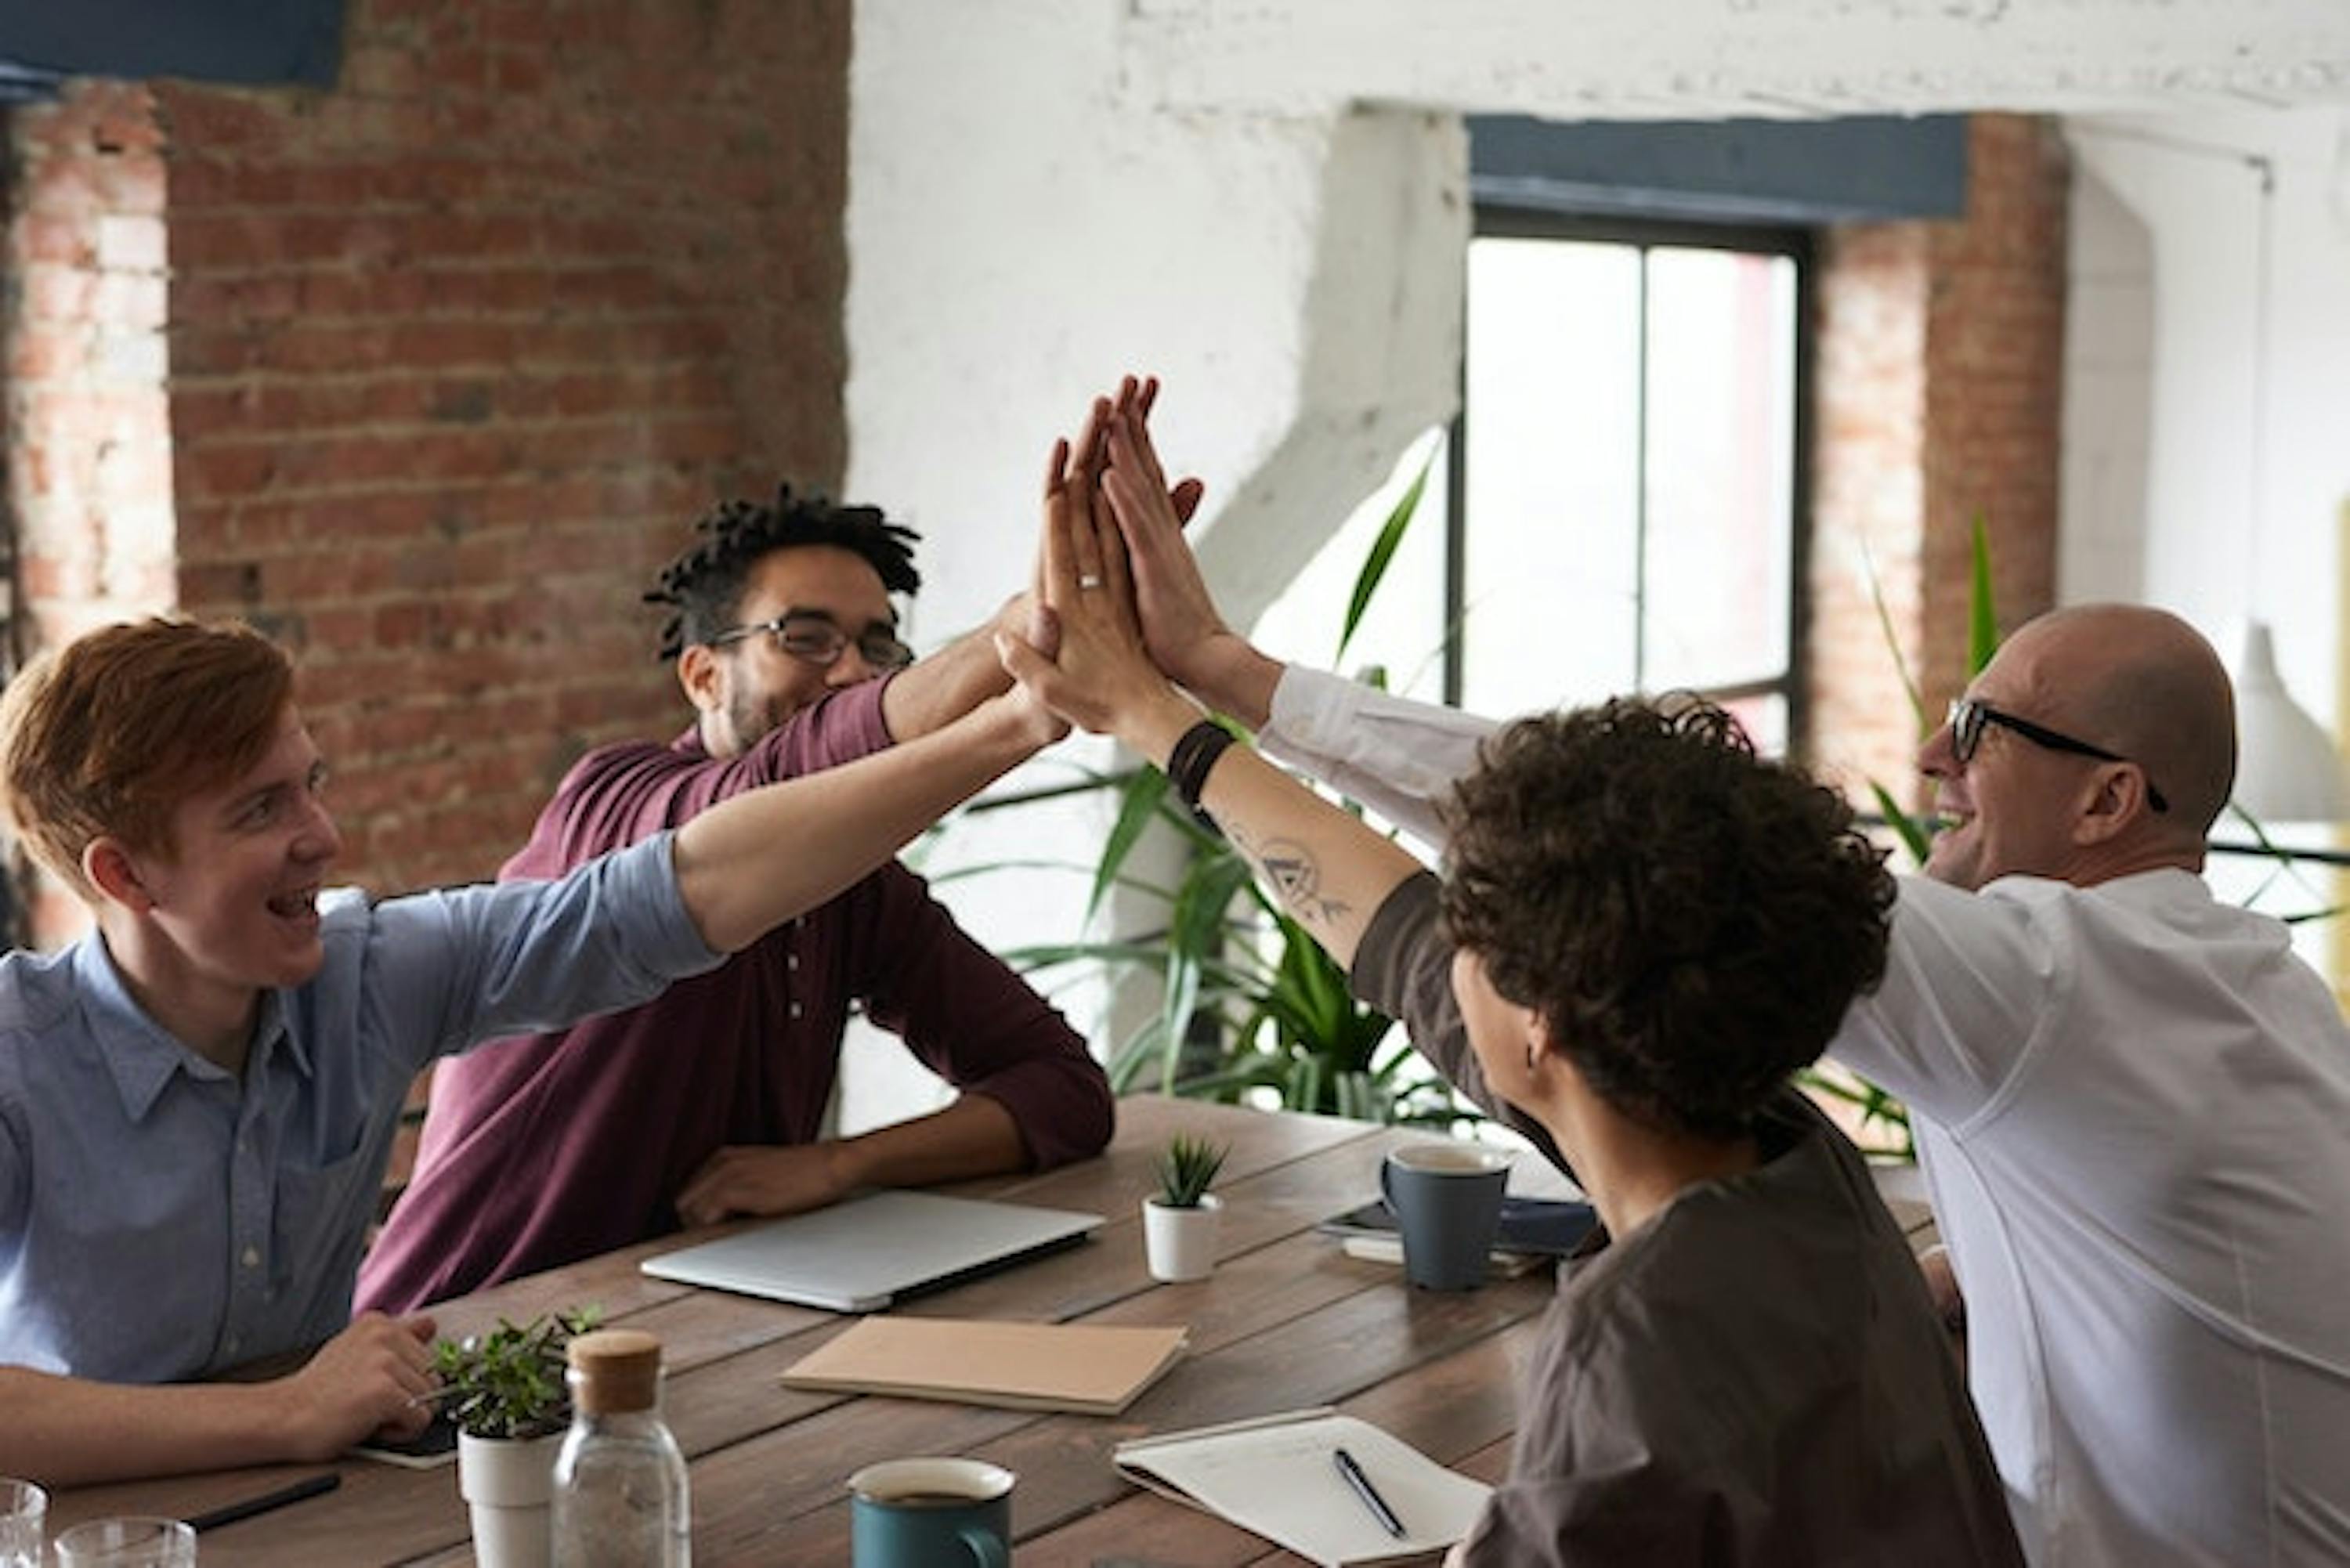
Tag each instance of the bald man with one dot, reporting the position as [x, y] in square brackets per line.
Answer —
[2132, 1102]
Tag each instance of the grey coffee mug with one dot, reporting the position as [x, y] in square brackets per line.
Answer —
[930, 1514]
[1447, 1198]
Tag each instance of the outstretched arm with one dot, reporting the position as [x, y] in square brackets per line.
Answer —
[71, 1431]
[749, 864]
[1329, 869]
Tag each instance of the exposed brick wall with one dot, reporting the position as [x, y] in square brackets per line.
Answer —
[459, 347]
[89, 494]
[1867, 498]
[1938, 390]
[1994, 385]
[456, 351]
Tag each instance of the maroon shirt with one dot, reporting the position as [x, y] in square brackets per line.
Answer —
[546, 1149]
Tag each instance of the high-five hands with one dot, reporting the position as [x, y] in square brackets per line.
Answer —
[1100, 677]
[1180, 624]
[1181, 627]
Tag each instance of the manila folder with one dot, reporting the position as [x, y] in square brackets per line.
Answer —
[1091, 1369]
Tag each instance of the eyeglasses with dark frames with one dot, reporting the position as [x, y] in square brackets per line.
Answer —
[815, 639]
[1969, 717]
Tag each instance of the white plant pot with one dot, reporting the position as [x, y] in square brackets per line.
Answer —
[509, 1483]
[1180, 1243]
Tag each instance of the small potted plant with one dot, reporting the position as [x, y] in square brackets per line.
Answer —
[1179, 1222]
[505, 1393]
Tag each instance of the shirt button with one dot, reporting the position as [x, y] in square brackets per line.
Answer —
[791, 961]
[251, 1258]
[793, 1010]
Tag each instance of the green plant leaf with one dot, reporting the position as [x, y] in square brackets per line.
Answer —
[1044, 955]
[1175, 1016]
[1137, 804]
[1382, 553]
[1892, 641]
[1982, 616]
[1202, 913]
[1186, 1167]
[1914, 836]
[1136, 1052]
[508, 1383]
[988, 869]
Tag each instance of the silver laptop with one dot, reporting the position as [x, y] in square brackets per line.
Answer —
[863, 1254]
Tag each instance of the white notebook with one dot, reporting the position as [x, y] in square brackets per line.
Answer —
[1278, 1477]
[861, 1255]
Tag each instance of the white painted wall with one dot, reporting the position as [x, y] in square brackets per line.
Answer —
[1022, 229]
[2171, 496]
[1606, 59]
[1263, 200]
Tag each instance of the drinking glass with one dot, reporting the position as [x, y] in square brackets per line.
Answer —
[22, 1506]
[128, 1543]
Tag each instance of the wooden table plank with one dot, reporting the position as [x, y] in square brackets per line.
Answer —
[1286, 1320]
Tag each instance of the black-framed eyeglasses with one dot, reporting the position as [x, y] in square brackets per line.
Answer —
[1969, 717]
[816, 640]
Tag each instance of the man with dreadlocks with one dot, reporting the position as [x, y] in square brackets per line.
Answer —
[709, 1101]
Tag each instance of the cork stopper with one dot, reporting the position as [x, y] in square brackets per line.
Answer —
[615, 1371]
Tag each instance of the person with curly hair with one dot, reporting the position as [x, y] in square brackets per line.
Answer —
[1647, 929]
[2130, 1098]
[554, 1147]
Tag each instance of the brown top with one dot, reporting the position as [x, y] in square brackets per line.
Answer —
[1754, 1376]
[615, 1371]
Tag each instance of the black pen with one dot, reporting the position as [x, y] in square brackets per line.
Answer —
[308, 1486]
[1368, 1492]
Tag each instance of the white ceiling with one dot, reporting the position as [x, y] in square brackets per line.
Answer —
[1705, 58]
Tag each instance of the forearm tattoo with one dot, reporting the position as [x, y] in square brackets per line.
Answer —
[1289, 869]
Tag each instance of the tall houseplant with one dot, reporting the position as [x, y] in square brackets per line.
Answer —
[1882, 1114]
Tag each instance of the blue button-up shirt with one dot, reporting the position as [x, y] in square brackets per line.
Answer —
[160, 1218]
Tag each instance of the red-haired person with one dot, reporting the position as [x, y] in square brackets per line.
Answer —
[197, 1099]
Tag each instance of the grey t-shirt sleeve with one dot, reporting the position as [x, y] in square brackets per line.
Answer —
[1403, 967]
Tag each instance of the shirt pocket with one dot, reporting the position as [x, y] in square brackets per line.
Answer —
[321, 1213]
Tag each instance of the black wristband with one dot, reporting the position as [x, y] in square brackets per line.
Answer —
[1194, 755]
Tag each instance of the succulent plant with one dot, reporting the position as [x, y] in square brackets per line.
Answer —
[508, 1383]
[1186, 1167]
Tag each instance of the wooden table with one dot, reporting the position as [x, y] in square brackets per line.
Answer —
[1286, 1320]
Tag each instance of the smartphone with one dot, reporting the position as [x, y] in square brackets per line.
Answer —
[1542, 1227]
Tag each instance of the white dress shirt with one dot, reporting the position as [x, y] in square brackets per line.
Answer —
[2132, 1102]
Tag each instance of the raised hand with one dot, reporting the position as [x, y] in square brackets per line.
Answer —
[1135, 399]
[1185, 633]
[1100, 677]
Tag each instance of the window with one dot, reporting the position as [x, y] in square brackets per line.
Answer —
[1626, 512]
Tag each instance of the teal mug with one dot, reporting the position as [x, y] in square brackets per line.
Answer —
[930, 1514]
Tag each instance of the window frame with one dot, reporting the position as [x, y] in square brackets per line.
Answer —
[1492, 219]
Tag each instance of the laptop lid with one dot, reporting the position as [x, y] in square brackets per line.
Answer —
[864, 1253]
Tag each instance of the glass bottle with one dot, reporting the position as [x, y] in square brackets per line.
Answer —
[620, 1499]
